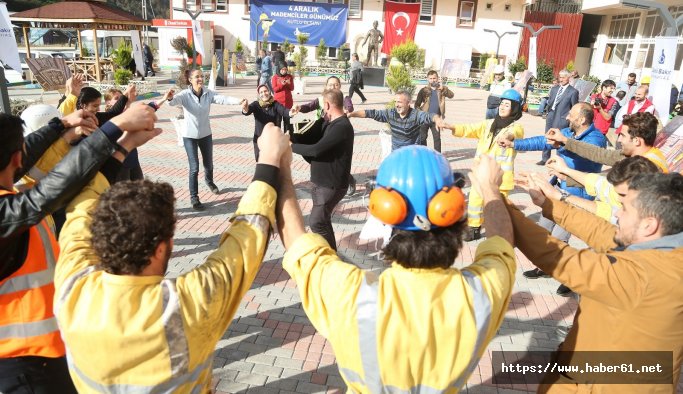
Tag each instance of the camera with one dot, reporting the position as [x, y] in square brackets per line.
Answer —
[597, 102]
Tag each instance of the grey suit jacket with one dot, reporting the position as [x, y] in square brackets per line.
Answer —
[558, 117]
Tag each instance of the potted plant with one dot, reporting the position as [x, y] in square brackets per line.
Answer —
[404, 57]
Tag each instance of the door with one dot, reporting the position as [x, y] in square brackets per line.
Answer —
[218, 44]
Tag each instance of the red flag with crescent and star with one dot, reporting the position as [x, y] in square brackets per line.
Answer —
[400, 23]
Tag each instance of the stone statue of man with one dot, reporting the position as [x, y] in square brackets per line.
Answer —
[376, 37]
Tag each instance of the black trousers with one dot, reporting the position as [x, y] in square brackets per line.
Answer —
[424, 129]
[325, 199]
[354, 88]
[35, 375]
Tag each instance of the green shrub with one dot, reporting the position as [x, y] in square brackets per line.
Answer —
[482, 60]
[300, 56]
[544, 72]
[517, 66]
[239, 48]
[406, 53]
[287, 47]
[570, 66]
[122, 76]
[122, 55]
[399, 79]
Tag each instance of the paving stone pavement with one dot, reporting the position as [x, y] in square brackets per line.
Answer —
[271, 347]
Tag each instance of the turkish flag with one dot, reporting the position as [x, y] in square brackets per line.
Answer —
[400, 22]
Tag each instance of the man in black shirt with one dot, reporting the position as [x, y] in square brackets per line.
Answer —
[330, 159]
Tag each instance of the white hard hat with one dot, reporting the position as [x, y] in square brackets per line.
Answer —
[499, 69]
[38, 115]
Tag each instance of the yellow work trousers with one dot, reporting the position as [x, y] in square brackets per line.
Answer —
[475, 208]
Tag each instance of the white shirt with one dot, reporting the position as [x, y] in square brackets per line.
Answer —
[196, 110]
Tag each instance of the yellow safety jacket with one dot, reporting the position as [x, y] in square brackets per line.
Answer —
[406, 330]
[486, 146]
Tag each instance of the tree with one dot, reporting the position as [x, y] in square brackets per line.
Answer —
[321, 50]
[239, 48]
[300, 56]
[517, 66]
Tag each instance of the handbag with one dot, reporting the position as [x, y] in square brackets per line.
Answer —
[307, 131]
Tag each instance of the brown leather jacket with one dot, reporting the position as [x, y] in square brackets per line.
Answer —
[425, 94]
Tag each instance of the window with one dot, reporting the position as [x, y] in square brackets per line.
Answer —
[355, 9]
[222, 5]
[332, 53]
[489, 6]
[508, 7]
[619, 54]
[427, 11]
[624, 26]
[191, 5]
[467, 12]
[178, 4]
[207, 5]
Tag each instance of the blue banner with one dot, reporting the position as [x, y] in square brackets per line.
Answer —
[316, 20]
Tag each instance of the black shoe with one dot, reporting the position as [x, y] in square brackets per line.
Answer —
[541, 163]
[196, 204]
[472, 234]
[352, 186]
[363, 101]
[214, 189]
[535, 274]
[564, 291]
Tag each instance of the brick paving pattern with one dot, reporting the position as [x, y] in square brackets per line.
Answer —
[271, 346]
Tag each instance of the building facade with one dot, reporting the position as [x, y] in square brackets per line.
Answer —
[448, 29]
[626, 39]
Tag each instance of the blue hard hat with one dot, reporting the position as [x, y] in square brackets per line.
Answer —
[417, 173]
[512, 95]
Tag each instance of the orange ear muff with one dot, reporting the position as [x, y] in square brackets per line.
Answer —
[388, 205]
[446, 207]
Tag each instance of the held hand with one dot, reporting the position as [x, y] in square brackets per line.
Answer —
[548, 190]
[134, 140]
[245, 106]
[83, 118]
[535, 192]
[138, 117]
[506, 143]
[168, 95]
[555, 136]
[75, 84]
[72, 135]
[557, 164]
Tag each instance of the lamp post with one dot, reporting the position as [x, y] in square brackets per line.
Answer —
[193, 16]
[535, 33]
[499, 37]
[256, 27]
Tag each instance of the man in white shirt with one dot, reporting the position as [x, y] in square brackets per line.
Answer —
[640, 103]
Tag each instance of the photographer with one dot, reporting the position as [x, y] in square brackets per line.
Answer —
[604, 106]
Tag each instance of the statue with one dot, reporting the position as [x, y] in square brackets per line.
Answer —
[376, 37]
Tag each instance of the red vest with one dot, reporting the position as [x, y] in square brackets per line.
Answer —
[28, 326]
[631, 104]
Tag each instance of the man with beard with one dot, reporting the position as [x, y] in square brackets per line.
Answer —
[629, 280]
[580, 128]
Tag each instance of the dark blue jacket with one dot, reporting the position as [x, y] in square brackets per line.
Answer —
[592, 136]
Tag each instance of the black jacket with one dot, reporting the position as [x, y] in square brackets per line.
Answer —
[20, 212]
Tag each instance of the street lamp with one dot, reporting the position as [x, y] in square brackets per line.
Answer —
[499, 37]
[535, 33]
[256, 27]
[193, 16]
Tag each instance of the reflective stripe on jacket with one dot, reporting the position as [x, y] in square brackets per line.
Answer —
[27, 325]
